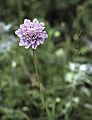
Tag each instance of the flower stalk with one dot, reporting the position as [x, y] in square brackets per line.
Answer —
[40, 90]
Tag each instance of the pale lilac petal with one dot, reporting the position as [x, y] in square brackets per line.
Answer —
[46, 35]
[27, 46]
[41, 24]
[20, 44]
[27, 22]
[34, 46]
[35, 21]
[41, 40]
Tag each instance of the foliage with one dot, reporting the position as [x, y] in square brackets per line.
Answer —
[64, 61]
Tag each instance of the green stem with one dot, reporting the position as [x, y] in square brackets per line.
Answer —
[73, 86]
[35, 65]
[41, 93]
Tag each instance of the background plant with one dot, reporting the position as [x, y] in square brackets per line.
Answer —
[66, 78]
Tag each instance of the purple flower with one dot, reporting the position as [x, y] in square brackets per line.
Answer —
[31, 34]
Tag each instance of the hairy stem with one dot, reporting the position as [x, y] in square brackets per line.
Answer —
[41, 92]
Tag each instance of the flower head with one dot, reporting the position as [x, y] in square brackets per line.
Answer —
[31, 34]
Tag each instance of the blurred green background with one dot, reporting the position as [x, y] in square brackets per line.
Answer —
[64, 61]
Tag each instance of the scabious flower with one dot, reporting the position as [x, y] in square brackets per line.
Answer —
[31, 34]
